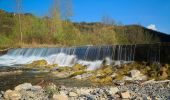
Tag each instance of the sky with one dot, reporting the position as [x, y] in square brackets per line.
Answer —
[153, 14]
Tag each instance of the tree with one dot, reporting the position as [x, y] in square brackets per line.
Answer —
[106, 20]
[66, 9]
[19, 10]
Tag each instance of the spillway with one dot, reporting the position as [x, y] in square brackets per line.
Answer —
[91, 56]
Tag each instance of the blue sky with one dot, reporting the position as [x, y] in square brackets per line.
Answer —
[153, 13]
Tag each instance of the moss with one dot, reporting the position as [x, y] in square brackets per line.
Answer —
[38, 63]
[78, 67]
[51, 66]
[64, 69]
[77, 73]
[102, 81]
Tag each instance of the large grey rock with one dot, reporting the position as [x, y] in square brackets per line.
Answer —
[24, 86]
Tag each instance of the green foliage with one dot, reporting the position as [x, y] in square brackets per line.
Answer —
[54, 31]
[4, 41]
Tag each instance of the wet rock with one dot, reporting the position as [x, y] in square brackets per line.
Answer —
[25, 86]
[125, 95]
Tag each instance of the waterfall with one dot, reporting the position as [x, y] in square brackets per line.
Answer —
[91, 56]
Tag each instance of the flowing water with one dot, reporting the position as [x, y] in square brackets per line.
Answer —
[91, 56]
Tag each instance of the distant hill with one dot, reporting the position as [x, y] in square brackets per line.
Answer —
[127, 29]
[55, 31]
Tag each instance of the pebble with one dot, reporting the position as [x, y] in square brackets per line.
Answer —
[147, 91]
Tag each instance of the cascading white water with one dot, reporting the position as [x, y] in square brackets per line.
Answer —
[89, 56]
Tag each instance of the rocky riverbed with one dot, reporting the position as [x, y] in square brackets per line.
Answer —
[40, 81]
[150, 90]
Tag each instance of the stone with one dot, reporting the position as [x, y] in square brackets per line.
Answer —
[142, 78]
[7, 93]
[125, 95]
[113, 90]
[135, 73]
[24, 86]
[83, 76]
[78, 77]
[36, 88]
[51, 86]
[30, 94]
[120, 83]
[127, 78]
[73, 94]
[163, 75]
[113, 75]
[84, 91]
[60, 97]
[12, 95]
[61, 74]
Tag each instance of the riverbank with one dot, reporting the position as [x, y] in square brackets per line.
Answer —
[122, 81]
[46, 91]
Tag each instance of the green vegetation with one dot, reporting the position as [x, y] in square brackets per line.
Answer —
[55, 31]
[40, 64]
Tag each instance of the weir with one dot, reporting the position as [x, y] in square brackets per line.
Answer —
[88, 55]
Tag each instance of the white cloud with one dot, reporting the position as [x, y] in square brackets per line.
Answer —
[152, 27]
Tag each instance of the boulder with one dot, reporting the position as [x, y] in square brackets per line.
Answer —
[24, 86]
[125, 95]
[135, 73]
[60, 97]
[73, 94]
[12, 95]
[7, 93]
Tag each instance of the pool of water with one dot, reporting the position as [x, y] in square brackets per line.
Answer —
[35, 77]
